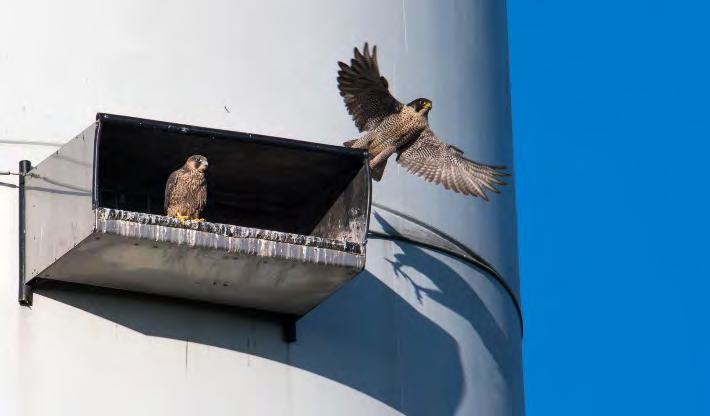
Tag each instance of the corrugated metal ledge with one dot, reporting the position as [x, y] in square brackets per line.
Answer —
[232, 238]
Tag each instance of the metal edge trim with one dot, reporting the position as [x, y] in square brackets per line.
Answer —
[229, 134]
[95, 179]
[24, 295]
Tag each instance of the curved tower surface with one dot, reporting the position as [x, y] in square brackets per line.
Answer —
[424, 330]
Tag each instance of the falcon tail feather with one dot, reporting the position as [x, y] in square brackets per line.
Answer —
[379, 170]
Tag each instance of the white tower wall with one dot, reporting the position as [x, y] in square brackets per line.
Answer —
[419, 332]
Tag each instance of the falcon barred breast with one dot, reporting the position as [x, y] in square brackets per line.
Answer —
[388, 126]
[186, 190]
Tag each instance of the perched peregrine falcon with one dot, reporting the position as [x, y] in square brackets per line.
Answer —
[388, 126]
[186, 190]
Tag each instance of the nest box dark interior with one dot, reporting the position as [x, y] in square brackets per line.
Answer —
[254, 181]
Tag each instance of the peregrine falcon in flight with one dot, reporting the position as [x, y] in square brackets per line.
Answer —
[186, 190]
[388, 126]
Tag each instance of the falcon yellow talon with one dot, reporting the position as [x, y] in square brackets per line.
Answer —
[182, 218]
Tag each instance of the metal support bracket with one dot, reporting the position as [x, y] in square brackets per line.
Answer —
[289, 329]
[24, 296]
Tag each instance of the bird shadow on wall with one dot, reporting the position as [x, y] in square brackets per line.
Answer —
[453, 292]
[365, 336]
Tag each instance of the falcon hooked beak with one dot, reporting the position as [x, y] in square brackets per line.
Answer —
[427, 107]
[197, 162]
[421, 105]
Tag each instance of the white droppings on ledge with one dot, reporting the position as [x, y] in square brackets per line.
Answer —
[231, 238]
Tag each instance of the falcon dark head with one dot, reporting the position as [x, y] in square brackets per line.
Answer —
[421, 105]
[197, 162]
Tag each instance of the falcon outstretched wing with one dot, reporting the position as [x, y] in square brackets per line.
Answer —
[364, 90]
[169, 187]
[438, 162]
